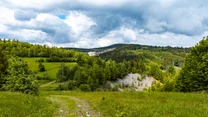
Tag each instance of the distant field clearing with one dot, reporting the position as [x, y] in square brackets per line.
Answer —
[51, 67]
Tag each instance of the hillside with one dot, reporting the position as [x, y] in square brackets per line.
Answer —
[96, 49]
[72, 69]
[128, 67]
[164, 56]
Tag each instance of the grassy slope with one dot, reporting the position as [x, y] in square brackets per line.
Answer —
[145, 104]
[22, 105]
[127, 104]
[51, 67]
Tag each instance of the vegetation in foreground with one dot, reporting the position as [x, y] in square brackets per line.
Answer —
[144, 104]
[193, 75]
[22, 105]
[109, 104]
[90, 73]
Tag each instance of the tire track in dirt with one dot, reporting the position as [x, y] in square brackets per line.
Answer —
[82, 109]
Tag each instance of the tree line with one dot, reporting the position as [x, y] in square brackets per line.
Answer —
[92, 73]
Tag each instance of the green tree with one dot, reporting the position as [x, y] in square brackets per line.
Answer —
[64, 73]
[171, 71]
[85, 87]
[41, 67]
[156, 72]
[194, 73]
[3, 67]
[19, 78]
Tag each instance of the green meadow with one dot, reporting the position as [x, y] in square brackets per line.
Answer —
[144, 104]
[22, 105]
[51, 67]
[51, 103]
[108, 104]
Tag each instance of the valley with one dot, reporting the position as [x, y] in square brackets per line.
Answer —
[128, 81]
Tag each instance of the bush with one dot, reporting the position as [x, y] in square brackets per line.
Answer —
[156, 87]
[41, 60]
[19, 78]
[85, 87]
[155, 71]
[115, 88]
[22, 83]
[70, 85]
[44, 77]
[62, 86]
[58, 59]
[41, 67]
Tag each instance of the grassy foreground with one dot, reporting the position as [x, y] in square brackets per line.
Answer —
[109, 104]
[22, 105]
[144, 104]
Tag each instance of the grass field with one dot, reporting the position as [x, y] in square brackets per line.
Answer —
[52, 103]
[22, 105]
[108, 104]
[51, 67]
[144, 104]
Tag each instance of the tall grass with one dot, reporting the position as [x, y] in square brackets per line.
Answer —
[145, 104]
[22, 105]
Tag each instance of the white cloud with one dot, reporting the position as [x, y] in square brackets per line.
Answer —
[33, 4]
[153, 25]
[3, 28]
[78, 22]
[94, 23]
[7, 15]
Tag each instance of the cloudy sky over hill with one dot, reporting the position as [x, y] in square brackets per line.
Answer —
[96, 23]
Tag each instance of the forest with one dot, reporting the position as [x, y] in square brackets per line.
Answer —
[62, 79]
[92, 72]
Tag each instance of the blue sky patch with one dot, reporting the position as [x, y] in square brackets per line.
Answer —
[62, 17]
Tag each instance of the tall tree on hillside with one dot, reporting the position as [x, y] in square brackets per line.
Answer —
[3, 67]
[194, 73]
[64, 73]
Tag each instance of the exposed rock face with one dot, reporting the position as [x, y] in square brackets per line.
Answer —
[136, 81]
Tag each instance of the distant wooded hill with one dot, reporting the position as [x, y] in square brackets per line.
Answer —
[132, 47]
[163, 55]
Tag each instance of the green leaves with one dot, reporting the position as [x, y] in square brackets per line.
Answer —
[20, 78]
[193, 76]
[41, 67]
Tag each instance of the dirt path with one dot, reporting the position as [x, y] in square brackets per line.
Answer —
[81, 108]
[62, 111]
[84, 109]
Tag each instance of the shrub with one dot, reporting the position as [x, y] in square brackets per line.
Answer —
[22, 83]
[85, 87]
[41, 60]
[62, 86]
[20, 78]
[41, 67]
[44, 77]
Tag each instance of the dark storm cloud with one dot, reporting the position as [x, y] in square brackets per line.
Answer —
[128, 21]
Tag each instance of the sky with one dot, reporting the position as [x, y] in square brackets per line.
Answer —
[98, 23]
